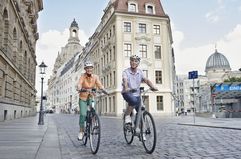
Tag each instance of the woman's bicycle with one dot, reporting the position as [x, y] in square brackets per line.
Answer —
[143, 126]
[92, 130]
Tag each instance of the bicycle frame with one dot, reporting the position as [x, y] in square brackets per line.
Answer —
[144, 121]
[91, 128]
[141, 108]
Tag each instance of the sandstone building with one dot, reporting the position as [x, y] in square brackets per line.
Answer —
[18, 36]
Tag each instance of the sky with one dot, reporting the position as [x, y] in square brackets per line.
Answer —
[197, 27]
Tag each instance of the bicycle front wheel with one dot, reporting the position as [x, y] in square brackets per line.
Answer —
[95, 132]
[128, 132]
[85, 137]
[148, 132]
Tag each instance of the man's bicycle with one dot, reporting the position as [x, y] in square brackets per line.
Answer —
[92, 130]
[143, 126]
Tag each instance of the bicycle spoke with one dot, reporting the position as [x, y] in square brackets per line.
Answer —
[85, 137]
[128, 132]
[95, 133]
[148, 132]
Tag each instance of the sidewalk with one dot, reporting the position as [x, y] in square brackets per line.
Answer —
[25, 139]
[224, 123]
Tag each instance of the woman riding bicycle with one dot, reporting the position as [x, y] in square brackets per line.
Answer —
[131, 79]
[86, 82]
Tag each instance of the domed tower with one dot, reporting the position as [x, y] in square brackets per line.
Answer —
[217, 65]
[73, 33]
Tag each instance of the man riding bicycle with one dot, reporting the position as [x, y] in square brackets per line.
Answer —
[86, 82]
[132, 78]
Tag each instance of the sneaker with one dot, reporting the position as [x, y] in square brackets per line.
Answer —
[144, 137]
[80, 136]
[128, 119]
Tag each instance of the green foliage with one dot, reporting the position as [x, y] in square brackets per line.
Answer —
[233, 79]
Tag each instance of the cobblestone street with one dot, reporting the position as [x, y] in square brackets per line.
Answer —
[173, 140]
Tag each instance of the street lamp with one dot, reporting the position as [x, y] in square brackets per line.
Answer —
[42, 67]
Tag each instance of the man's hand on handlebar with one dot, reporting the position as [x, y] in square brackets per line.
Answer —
[104, 91]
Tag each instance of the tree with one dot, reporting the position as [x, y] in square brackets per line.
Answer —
[233, 79]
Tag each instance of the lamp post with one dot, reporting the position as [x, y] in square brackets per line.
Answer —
[42, 67]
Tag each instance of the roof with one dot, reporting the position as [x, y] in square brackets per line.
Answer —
[122, 6]
[74, 24]
[217, 61]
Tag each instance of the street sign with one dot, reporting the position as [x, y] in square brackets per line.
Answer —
[192, 75]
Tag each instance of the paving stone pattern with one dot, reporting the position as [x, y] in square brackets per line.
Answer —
[174, 141]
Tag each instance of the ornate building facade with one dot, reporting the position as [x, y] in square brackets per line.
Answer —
[61, 85]
[131, 27]
[18, 36]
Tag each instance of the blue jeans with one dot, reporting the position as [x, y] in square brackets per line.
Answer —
[133, 101]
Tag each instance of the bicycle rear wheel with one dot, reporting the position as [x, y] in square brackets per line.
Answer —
[95, 132]
[128, 132]
[148, 132]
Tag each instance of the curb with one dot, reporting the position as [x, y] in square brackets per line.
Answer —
[210, 126]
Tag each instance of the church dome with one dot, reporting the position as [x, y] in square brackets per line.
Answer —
[74, 24]
[217, 61]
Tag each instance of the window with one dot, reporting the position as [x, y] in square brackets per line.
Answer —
[149, 10]
[159, 102]
[158, 77]
[127, 27]
[143, 50]
[156, 29]
[157, 52]
[132, 7]
[145, 73]
[142, 28]
[127, 49]
[74, 33]
[113, 103]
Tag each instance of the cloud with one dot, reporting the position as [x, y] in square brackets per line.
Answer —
[47, 48]
[211, 17]
[214, 15]
[194, 58]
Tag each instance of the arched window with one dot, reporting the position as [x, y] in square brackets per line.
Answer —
[20, 56]
[150, 8]
[1, 82]
[15, 45]
[6, 30]
[29, 70]
[25, 63]
[132, 6]
[74, 33]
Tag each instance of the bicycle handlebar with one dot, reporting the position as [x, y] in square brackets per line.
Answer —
[142, 91]
[93, 90]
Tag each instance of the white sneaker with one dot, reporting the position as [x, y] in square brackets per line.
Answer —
[128, 119]
[144, 137]
[80, 136]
